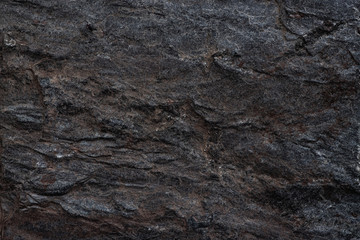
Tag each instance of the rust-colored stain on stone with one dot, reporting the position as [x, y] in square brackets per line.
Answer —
[179, 120]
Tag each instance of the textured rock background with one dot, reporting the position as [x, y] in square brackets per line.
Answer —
[180, 119]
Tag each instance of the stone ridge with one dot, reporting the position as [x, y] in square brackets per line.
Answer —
[162, 119]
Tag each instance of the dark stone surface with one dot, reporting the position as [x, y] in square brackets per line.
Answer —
[162, 119]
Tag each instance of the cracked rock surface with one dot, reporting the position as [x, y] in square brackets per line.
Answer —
[163, 119]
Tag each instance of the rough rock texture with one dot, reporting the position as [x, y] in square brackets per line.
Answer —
[164, 119]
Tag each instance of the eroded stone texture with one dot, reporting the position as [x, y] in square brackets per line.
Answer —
[161, 119]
